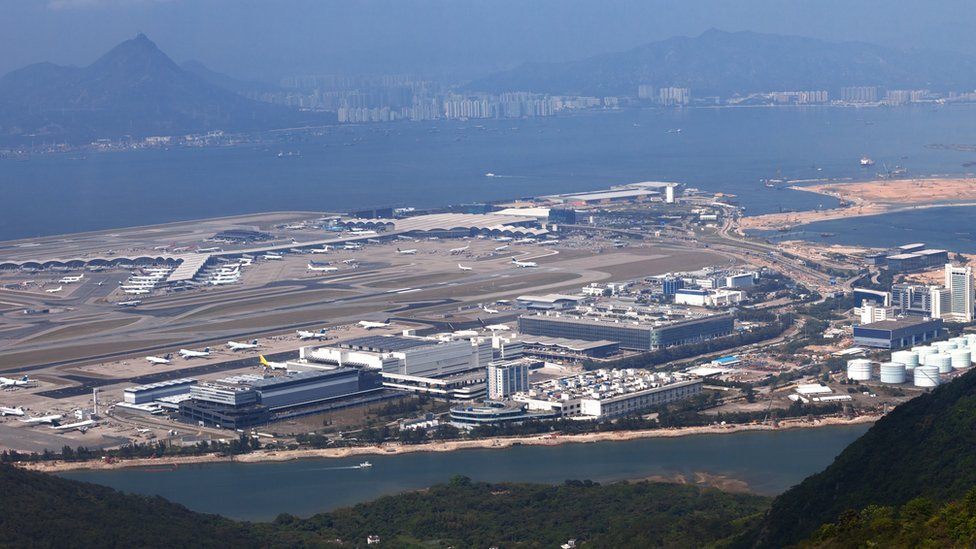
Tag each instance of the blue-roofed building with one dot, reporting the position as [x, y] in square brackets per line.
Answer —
[898, 333]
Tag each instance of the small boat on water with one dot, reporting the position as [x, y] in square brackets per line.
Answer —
[866, 161]
[365, 465]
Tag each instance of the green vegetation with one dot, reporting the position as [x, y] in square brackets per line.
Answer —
[38, 510]
[924, 448]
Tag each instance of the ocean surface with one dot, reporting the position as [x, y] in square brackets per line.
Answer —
[438, 163]
[950, 228]
[770, 462]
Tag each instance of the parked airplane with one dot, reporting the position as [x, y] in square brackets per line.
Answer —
[411, 251]
[188, 354]
[55, 290]
[71, 279]
[352, 246]
[272, 256]
[463, 268]
[322, 250]
[322, 269]
[81, 426]
[350, 261]
[500, 248]
[142, 291]
[7, 382]
[154, 360]
[272, 365]
[44, 419]
[524, 264]
[490, 311]
[548, 243]
[4, 411]
[497, 327]
[457, 251]
[133, 303]
[235, 346]
[304, 335]
[524, 241]
[369, 325]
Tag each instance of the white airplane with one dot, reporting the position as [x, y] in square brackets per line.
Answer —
[71, 279]
[548, 243]
[463, 268]
[45, 419]
[524, 241]
[272, 365]
[458, 251]
[352, 246]
[81, 426]
[503, 239]
[133, 303]
[273, 256]
[7, 382]
[322, 268]
[524, 264]
[305, 335]
[4, 411]
[349, 261]
[500, 248]
[490, 311]
[137, 292]
[154, 360]
[188, 354]
[411, 251]
[55, 290]
[497, 327]
[322, 250]
[235, 346]
[369, 325]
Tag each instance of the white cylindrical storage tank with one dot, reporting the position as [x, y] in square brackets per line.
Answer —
[859, 369]
[961, 342]
[892, 372]
[961, 358]
[942, 361]
[926, 376]
[923, 352]
[971, 338]
[944, 346]
[908, 358]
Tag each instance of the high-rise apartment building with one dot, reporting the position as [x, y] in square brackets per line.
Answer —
[959, 283]
[507, 378]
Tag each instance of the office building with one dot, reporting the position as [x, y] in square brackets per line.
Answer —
[959, 283]
[898, 333]
[144, 394]
[671, 284]
[916, 261]
[506, 378]
[877, 297]
[631, 334]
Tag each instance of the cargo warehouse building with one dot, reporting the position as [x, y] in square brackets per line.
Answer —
[639, 336]
[895, 334]
[248, 400]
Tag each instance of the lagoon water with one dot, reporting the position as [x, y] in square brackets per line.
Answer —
[437, 163]
[770, 462]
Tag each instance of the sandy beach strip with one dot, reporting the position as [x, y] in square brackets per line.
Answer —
[441, 446]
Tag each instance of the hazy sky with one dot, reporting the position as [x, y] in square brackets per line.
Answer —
[466, 38]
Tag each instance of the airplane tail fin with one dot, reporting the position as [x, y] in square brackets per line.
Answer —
[483, 325]
[264, 361]
[255, 342]
[206, 349]
[24, 378]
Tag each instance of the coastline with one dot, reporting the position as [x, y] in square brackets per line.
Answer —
[868, 198]
[263, 456]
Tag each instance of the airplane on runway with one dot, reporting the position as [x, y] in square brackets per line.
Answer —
[7, 382]
[156, 360]
[458, 251]
[369, 325]
[411, 251]
[490, 311]
[81, 426]
[188, 354]
[5, 411]
[54, 290]
[272, 365]
[304, 335]
[500, 248]
[235, 346]
[524, 264]
[322, 269]
[463, 268]
[45, 419]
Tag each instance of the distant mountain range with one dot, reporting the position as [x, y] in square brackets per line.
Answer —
[728, 63]
[134, 89]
